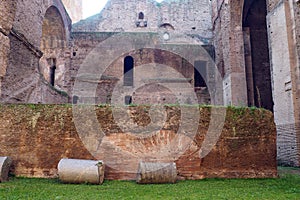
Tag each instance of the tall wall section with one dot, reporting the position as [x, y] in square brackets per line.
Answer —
[228, 42]
[283, 23]
[244, 32]
[186, 17]
[186, 24]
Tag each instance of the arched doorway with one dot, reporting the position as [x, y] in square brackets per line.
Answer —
[258, 73]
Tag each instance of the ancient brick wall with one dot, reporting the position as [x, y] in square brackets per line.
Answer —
[190, 17]
[283, 34]
[152, 66]
[228, 42]
[29, 19]
[21, 79]
[279, 68]
[38, 136]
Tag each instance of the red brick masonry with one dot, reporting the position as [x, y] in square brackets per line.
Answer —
[38, 136]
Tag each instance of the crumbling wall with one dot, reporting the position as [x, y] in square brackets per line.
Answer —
[154, 66]
[190, 17]
[36, 137]
[21, 80]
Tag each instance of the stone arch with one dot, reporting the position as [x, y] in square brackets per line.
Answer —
[66, 20]
[54, 41]
[167, 26]
[257, 62]
[53, 30]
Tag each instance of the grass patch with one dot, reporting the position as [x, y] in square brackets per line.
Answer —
[286, 187]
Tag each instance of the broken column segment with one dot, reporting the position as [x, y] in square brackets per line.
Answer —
[5, 163]
[150, 173]
[81, 171]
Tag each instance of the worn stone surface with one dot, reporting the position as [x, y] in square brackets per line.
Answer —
[46, 134]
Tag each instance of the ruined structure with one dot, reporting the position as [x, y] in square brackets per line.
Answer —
[25, 43]
[257, 47]
[254, 44]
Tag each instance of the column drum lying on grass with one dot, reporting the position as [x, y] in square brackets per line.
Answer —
[5, 163]
[156, 173]
[81, 171]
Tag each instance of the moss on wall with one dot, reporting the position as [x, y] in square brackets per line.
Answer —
[38, 136]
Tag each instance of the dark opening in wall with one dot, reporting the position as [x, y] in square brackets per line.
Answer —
[199, 72]
[128, 100]
[128, 71]
[52, 62]
[75, 99]
[257, 62]
[52, 75]
[141, 15]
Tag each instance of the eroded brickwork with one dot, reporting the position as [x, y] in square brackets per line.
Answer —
[48, 133]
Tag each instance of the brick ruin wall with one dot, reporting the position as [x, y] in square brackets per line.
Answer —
[21, 30]
[21, 79]
[38, 136]
[169, 67]
[190, 17]
[281, 17]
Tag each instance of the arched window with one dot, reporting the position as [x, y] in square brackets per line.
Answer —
[128, 71]
[141, 15]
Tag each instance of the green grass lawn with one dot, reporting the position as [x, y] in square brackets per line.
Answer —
[286, 187]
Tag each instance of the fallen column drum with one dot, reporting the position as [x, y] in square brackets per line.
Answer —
[156, 173]
[81, 171]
